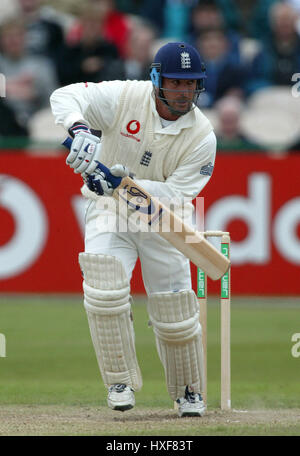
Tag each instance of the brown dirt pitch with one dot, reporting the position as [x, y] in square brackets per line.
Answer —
[48, 420]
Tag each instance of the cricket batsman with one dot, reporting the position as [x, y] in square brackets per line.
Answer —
[154, 130]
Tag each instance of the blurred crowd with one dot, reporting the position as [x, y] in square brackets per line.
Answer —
[251, 50]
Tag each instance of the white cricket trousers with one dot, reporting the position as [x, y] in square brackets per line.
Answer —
[164, 268]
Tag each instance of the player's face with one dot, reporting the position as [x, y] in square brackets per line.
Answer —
[179, 92]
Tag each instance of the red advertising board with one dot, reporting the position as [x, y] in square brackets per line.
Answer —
[256, 198]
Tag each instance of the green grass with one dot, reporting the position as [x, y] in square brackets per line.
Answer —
[50, 359]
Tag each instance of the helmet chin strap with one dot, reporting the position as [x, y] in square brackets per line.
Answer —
[161, 97]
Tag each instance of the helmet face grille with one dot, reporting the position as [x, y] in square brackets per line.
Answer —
[163, 96]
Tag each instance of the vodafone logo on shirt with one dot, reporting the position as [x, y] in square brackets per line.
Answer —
[132, 128]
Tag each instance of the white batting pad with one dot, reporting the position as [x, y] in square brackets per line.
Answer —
[107, 303]
[175, 321]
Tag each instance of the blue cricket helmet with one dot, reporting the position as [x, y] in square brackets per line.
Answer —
[177, 61]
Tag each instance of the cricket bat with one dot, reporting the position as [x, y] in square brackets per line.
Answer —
[166, 223]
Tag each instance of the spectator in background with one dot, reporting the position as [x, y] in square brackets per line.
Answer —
[208, 15]
[153, 11]
[10, 127]
[296, 5]
[8, 9]
[259, 24]
[29, 79]
[224, 74]
[130, 6]
[92, 58]
[279, 58]
[230, 12]
[139, 51]
[229, 135]
[44, 36]
[176, 18]
[114, 26]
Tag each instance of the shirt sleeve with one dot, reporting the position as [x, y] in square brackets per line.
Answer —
[190, 177]
[92, 103]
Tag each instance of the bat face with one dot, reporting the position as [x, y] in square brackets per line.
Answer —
[160, 219]
[149, 209]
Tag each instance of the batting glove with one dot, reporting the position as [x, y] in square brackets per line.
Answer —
[84, 151]
[99, 184]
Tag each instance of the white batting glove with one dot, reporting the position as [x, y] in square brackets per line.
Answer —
[85, 149]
